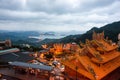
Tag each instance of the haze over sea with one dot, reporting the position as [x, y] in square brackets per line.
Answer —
[55, 35]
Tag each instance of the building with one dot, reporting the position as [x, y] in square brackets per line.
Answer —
[95, 61]
[11, 50]
[119, 39]
[16, 56]
[6, 43]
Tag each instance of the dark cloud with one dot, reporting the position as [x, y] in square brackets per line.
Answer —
[11, 4]
[67, 6]
[54, 14]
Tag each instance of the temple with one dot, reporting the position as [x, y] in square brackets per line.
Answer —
[94, 61]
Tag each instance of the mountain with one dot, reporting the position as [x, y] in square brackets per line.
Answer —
[18, 37]
[111, 31]
[24, 37]
[49, 33]
[67, 39]
[17, 34]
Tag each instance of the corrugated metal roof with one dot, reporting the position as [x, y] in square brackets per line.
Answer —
[30, 65]
[8, 51]
[43, 51]
[19, 56]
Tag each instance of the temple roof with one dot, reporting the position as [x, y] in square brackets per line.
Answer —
[96, 59]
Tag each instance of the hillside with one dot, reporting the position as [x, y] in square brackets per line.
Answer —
[111, 31]
[22, 37]
[18, 37]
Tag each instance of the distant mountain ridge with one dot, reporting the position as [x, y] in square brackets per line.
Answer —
[18, 37]
[22, 37]
[111, 31]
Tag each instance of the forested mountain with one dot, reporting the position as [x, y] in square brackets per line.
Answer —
[111, 30]
[18, 37]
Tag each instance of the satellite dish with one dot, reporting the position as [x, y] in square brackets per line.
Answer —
[119, 36]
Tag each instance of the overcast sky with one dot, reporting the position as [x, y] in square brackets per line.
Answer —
[57, 15]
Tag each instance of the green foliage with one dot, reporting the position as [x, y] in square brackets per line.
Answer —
[111, 31]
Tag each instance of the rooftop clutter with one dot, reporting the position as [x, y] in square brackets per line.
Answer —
[95, 60]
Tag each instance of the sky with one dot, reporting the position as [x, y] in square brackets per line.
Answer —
[57, 15]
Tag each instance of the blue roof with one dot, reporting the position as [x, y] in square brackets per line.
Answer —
[15, 56]
[9, 50]
[30, 65]
[43, 51]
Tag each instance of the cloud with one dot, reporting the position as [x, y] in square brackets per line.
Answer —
[66, 6]
[58, 15]
[12, 4]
